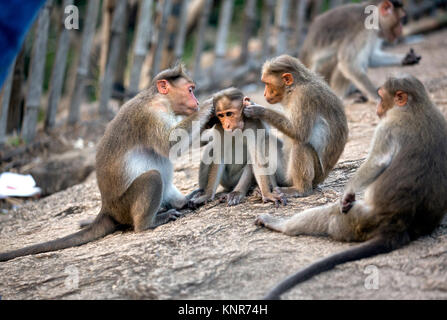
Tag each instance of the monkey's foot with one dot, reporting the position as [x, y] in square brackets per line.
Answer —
[199, 201]
[165, 217]
[233, 198]
[275, 197]
[268, 221]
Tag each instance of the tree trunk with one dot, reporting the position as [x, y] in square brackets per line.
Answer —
[108, 7]
[301, 21]
[249, 20]
[36, 76]
[156, 62]
[282, 24]
[84, 58]
[58, 72]
[200, 41]
[267, 16]
[112, 62]
[316, 8]
[226, 13]
[5, 98]
[181, 32]
[16, 103]
[142, 39]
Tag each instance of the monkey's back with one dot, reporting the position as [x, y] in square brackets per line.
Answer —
[328, 28]
[123, 133]
[412, 190]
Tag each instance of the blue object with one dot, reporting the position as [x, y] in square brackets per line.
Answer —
[16, 17]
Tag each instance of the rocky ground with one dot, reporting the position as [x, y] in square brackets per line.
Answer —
[217, 252]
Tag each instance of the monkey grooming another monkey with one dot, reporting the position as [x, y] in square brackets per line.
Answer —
[405, 176]
[238, 177]
[314, 124]
[133, 170]
[340, 46]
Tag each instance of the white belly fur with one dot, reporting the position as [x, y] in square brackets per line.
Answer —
[140, 160]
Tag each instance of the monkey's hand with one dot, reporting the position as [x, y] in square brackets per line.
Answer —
[254, 111]
[411, 58]
[347, 202]
[233, 198]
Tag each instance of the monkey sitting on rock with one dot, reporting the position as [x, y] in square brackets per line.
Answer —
[238, 154]
[133, 168]
[405, 176]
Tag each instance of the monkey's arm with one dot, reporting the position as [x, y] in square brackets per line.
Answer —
[165, 136]
[380, 58]
[379, 158]
[279, 121]
[261, 167]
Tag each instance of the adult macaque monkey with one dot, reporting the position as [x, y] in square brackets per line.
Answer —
[405, 176]
[133, 170]
[341, 45]
[238, 177]
[314, 125]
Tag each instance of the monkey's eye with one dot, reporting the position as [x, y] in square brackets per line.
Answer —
[229, 114]
[220, 115]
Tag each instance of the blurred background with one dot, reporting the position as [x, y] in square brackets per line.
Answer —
[82, 59]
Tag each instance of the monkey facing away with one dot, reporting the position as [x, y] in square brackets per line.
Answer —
[340, 47]
[405, 176]
[238, 175]
[314, 124]
[133, 170]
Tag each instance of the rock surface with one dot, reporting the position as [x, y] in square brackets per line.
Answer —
[217, 252]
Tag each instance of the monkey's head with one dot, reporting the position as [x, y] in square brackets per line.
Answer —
[178, 87]
[391, 14]
[229, 104]
[280, 74]
[399, 92]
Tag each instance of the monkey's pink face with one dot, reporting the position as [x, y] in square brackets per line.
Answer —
[181, 95]
[274, 89]
[388, 101]
[391, 21]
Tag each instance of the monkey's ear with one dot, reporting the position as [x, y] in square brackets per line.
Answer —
[386, 7]
[400, 98]
[163, 86]
[288, 79]
[246, 102]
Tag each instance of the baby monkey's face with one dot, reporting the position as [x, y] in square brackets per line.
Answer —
[229, 113]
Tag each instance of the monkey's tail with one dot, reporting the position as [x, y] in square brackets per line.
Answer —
[101, 226]
[377, 245]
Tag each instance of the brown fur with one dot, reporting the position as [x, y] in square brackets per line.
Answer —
[405, 176]
[236, 177]
[340, 48]
[133, 186]
[315, 123]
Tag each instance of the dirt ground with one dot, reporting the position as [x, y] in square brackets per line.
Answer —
[217, 252]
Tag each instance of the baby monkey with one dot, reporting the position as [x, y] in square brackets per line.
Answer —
[236, 157]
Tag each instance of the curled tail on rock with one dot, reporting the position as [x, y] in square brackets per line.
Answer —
[100, 227]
